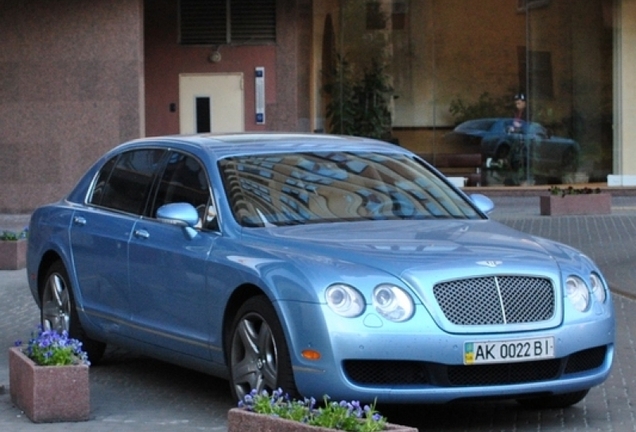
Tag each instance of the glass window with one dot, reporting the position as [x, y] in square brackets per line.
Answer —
[413, 71]
[301, 188]
[124, 182]
[185, 180]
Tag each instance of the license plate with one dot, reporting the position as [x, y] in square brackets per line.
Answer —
[508, 351]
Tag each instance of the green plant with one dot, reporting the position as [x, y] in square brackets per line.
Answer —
[50, 348]
[345, 416]
[556, 190]
[359, 106]
[13, 235]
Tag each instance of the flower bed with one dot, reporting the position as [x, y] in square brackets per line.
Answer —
[48, 378]
[572, 201]
[260, 412]
[13, 254]
[13, 247]
[48, 393]
[241, 420]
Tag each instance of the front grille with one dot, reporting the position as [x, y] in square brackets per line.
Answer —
[391, 373]
[496, 300]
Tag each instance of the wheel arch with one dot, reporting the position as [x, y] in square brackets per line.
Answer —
[238, 297]
[500, 146]
[48, 259]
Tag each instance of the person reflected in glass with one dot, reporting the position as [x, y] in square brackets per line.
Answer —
[517, 156]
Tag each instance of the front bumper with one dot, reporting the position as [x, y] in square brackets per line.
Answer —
[426, 366]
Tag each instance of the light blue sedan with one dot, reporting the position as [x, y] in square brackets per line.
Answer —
[319, 264]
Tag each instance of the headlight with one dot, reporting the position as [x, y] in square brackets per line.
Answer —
[345, 300]
[597, 288]
[577, 292]
[393, 303]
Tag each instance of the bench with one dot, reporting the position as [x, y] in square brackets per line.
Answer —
[467, 165]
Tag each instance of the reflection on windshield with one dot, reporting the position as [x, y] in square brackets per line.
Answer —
[298, 188]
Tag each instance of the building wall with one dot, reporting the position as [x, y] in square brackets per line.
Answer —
[286, 71]
[78, 77]
[625, 90]
[71, 87]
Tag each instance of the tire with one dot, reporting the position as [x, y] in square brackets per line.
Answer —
[503, 152]
[257, 352]
[555, 401]
[58, 311]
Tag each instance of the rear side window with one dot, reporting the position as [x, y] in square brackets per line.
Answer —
[124, 182]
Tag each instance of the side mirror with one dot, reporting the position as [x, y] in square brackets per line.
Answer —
[180, 214]
[483, 203]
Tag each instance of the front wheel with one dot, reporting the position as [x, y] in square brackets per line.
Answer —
[58, 311]
[258, 356]
[555, 401]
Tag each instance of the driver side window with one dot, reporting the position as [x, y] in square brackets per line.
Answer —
[185, 180]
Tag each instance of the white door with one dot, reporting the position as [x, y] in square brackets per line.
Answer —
[211, 103]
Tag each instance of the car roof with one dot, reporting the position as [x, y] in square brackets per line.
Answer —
[250, 143]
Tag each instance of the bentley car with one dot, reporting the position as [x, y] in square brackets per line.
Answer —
[321, 265]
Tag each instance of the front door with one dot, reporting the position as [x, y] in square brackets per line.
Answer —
[211, 103]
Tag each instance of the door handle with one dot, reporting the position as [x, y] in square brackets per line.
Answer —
[141, 233]
[79, 220]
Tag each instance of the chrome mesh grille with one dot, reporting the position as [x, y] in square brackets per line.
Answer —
[496, 300]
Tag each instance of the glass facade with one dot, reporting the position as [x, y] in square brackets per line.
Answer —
[537, 74]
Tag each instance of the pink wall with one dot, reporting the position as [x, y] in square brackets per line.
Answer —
[78, 77]
[70, 89]
[165, 59]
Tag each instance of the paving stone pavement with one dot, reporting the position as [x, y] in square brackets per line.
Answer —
[133, 393]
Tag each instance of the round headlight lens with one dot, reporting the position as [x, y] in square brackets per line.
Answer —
[577, 292]
[393, 303]
[597, 288]
[345, 300]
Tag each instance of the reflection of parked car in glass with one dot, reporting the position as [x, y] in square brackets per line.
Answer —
[503, 142]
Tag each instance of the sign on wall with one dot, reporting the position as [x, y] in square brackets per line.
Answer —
[260, 94]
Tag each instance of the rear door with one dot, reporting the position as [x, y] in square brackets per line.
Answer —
[100, 233]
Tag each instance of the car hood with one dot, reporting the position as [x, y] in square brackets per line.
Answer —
[421, 250]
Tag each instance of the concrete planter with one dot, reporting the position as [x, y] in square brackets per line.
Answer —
[581, 204]
[48, 394]
[13, 254]
[240, 420]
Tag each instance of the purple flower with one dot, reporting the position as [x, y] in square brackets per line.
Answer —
[49, 348]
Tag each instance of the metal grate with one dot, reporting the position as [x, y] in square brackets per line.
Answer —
[220, 22]
[386, 372]
[496, 300]
[501, 374]
[585, 360]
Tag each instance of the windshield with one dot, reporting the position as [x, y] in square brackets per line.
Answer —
[317, 187]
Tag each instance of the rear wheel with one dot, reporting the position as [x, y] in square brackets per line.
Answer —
[58, 311]
[555, 401]
[258, 356]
